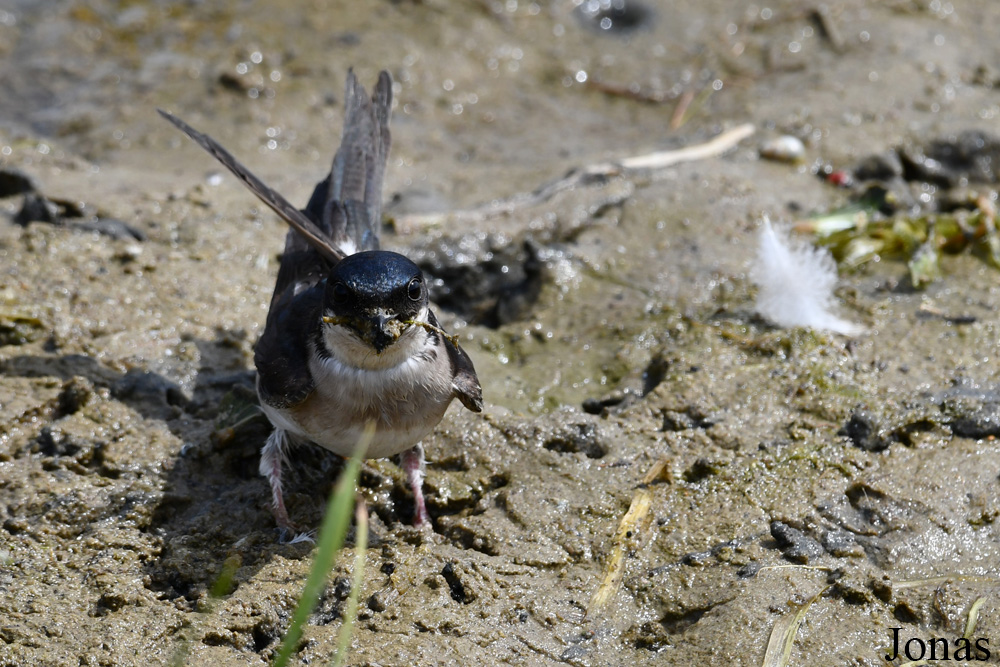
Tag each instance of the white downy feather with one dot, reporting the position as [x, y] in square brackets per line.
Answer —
[795, 283]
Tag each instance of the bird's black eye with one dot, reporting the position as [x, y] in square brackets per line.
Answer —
[340, 292]
[413, 289]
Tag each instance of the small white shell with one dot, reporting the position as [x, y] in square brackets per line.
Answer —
[785, 148]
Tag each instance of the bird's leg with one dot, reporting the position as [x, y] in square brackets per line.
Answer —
[412, 463]
[272, 457]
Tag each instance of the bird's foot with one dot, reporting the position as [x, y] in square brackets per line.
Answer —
[308, 537]
[421, 519]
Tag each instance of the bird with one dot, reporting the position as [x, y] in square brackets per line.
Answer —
[350, 340]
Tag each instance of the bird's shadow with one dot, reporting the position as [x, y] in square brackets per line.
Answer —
[214, 507]
[214, 504]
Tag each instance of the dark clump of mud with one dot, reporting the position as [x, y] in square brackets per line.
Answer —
[659, 477]
[485, 279]
[943, 175]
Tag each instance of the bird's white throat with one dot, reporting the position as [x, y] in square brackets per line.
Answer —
[347, 347]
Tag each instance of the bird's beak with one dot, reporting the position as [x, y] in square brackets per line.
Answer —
[379, 329]
[383, 330]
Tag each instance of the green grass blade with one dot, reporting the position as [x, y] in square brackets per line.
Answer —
[357, 577]
[331, 539]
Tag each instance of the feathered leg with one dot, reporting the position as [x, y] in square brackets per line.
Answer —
[272, 457]
[412, 463]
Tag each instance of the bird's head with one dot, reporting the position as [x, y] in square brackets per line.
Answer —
[375, 295]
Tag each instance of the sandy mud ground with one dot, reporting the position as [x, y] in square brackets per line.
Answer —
[795, 481]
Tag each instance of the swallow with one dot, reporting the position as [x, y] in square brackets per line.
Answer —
[350, 339]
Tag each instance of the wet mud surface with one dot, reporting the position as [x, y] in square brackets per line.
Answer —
[660, 477]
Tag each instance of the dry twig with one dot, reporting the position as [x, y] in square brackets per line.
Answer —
[592, 174]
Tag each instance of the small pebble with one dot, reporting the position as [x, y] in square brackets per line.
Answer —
[785, 148]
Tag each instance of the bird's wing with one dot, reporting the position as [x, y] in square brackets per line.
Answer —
[465, 382]
[275, 201]
[348, 204]
[283, 350]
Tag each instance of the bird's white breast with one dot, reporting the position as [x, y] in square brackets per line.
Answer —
[405, 391]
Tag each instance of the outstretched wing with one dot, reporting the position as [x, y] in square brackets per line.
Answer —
[347, 204]
[276, 202]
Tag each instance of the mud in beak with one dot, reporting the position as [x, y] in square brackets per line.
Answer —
[379, 330]
[383, 329]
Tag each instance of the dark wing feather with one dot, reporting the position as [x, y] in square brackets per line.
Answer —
[276, 202]
[353, 208]
[382, 101]
[282, 353]
[301, 267]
